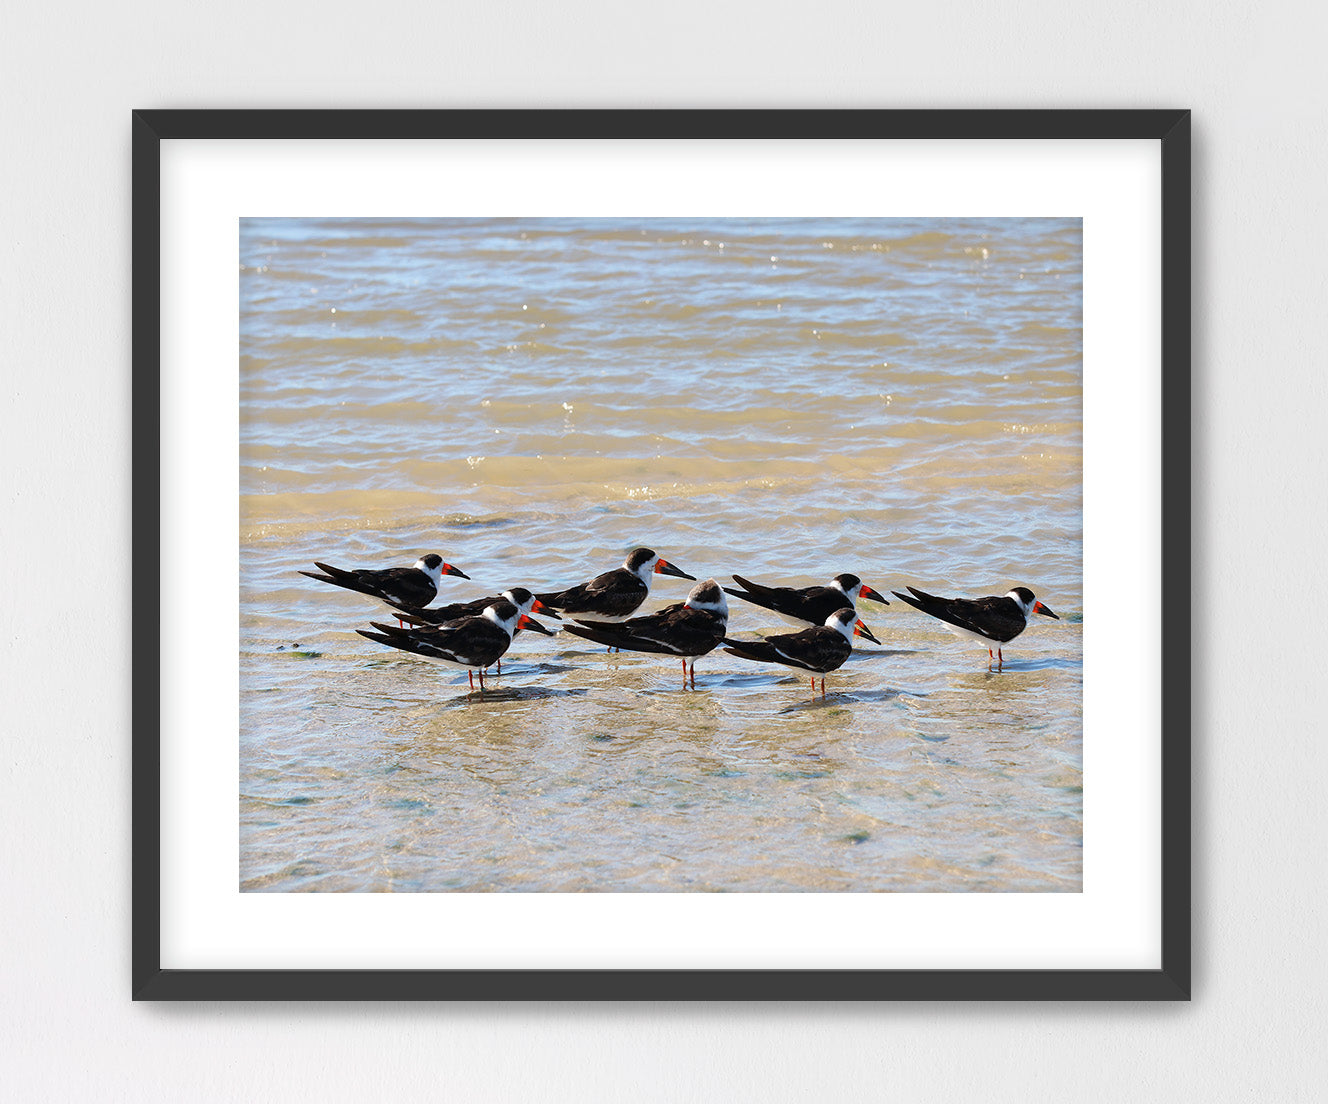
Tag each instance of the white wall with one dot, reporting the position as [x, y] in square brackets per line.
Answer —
[70, 74]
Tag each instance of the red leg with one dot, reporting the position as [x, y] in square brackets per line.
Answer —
[481, 680]
[1000, 660]
[471, 675]
[823, 688]
[499, 665]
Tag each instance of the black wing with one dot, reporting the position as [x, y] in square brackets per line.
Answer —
[441, 615]
[474, 641]
[678, 630]
[616, 593]
[998, 619]
[820, 649]
[402, 586]
[808, 603]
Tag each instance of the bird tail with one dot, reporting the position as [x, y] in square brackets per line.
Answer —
[412, 617]
[394, 630]
[334, 575]
[916, 603]
[378, 637]
[402, 639]
[598, 635]
[751, 649]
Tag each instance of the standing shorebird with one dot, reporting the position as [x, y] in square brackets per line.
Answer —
[807, 605]
[437, 616]
[440, 615]
[991, 621]
[688, 630]
[615, 595]
[409, 588]
[820, 649]
[470, 644]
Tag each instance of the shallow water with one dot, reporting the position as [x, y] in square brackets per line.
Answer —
[786, 399]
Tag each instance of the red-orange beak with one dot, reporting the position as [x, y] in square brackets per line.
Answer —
[860, 629]
[448, 569]
[874, 595]
[663, 567]
[540, 607]
[1038, 607]
[530, 623]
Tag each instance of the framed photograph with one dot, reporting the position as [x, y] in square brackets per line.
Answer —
[661, 555]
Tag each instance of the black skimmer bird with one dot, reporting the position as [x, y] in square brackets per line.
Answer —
[470, 644]
[820, 649]
[400, 587]
[992, 620]
[520, 597]
[687, 630]
[615, 595]
[807, 605]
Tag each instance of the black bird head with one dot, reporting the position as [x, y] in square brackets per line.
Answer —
[1028, 600]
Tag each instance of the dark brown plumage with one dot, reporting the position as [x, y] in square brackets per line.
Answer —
[441, 615]
[471, 644]
[688, 630]
[990, 620]
[806, 605]
[820, 649]
[615, 595]
[404, 587]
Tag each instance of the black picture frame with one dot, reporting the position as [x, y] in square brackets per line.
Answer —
[1170, 128]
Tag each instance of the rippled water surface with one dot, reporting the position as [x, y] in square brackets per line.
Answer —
[786, 399]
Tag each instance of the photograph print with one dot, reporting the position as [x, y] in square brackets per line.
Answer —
[664, 555]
